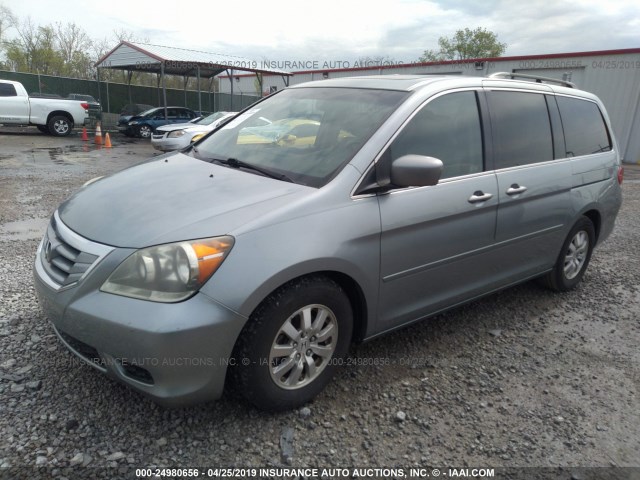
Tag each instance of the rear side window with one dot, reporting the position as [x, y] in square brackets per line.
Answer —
[447, 128]
[521, 128]
[584, 129]
[7, 90]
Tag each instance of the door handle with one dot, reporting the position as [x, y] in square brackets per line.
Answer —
[515, 189]
[479, 196]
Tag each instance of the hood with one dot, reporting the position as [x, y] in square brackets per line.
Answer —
[173, 199]
[125, 118]
[179, 126]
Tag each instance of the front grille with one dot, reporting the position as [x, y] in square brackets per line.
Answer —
[64, 263]
[158, 136]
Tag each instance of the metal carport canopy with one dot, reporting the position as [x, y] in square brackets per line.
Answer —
[162, 60]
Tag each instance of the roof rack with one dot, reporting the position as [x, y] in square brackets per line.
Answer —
[532, 77]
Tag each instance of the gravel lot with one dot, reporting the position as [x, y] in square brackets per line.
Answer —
[522, 378]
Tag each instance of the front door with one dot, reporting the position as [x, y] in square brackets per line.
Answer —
[437, 242]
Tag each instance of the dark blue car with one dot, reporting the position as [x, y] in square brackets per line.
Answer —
[145, 123]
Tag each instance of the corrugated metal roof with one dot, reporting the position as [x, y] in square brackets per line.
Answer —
[177, 61]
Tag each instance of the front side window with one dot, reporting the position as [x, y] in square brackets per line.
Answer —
[306, 134]
[447, 128]
[584, 129]
[521, 128]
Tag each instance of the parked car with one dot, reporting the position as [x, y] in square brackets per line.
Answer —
[95, 109]
[50, 115]
[180, 135]
[130, 110]
[258, 264]
[145, 123]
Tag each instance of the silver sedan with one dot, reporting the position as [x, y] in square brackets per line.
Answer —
[180, 135]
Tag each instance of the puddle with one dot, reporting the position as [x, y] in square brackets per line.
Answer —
[30, 229]
[67, 155]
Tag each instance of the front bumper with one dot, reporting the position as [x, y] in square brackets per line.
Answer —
[166, 144]
[126, 129]
[177, 354]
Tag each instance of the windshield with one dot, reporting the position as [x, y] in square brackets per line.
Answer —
[305, 134]
[148, 112]
[209, 119]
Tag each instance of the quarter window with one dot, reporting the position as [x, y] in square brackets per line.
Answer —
[521, 128]
[447, 128]
[584, 129]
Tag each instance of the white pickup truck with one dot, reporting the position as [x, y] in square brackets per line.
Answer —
[50, 115]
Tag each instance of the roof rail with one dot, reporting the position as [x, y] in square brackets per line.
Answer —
[532, 77]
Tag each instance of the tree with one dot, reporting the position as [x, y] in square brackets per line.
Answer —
[34, 49]
[7, 20]
[466, 44]
[73, 44]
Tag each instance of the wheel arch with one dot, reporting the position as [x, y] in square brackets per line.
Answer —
[596, 218]
[352, 289]
[356, 298]
[62, 113]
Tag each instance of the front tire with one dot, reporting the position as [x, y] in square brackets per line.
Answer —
[59, 126]
[144, 131]
[293, 343]
[574, 257]
[43, 129]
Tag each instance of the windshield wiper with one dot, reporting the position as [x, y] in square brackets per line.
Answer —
[235, 163]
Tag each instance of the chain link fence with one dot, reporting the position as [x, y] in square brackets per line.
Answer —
[114, 96]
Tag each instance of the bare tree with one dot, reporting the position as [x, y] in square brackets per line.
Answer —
[71, 40]
[27, 41]
[7, 20]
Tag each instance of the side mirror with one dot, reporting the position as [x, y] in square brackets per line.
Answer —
[416, 171]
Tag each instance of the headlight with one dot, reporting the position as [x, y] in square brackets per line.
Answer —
[197, 137]
[135, 122]
[176, 134]
[169, 273]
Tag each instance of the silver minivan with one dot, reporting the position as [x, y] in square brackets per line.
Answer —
[328, 213]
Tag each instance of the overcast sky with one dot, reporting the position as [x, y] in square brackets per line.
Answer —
[345, 30]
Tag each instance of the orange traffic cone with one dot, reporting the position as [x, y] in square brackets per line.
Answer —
[98, 135]
[85, 137]
[107, 140]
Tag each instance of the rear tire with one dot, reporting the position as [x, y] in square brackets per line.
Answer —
[59, 126]
[574, 257]
[292, 344]
[43, 129]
